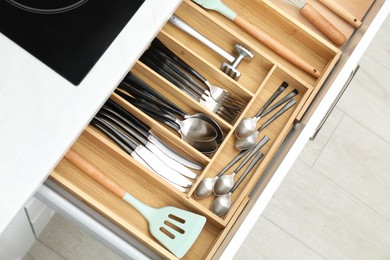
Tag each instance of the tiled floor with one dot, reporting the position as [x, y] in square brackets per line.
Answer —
[333, 204]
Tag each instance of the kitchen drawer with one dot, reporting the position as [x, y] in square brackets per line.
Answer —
[260, 78]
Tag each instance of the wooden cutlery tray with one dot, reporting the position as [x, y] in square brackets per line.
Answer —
[260, 78]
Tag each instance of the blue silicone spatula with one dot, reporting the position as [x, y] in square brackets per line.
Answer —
[176, 229]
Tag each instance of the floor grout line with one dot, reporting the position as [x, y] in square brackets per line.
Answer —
[51, 249]
[294, 237]
[347, 192]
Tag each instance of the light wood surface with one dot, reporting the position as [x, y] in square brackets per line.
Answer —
[342, 12]
[277, 47]
[260, 78]
[323, 25]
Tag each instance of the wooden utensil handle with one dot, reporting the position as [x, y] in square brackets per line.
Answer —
[323, 25]
[276, 46]
[342, 12]
[95, 173]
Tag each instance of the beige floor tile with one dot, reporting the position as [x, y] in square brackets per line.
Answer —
[40, 251]
[379, 48]
[70, 242]
[314, 148]
[262, 240]
[357, 160]
[368, 96]
[327, 219]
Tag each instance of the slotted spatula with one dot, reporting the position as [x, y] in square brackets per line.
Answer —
[174, 228]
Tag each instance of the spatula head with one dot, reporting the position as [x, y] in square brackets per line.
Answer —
[218, 6]
[175, 228]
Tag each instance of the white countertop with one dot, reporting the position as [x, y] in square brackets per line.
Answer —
[41, 114]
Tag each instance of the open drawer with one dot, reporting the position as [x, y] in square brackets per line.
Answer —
[259, 80]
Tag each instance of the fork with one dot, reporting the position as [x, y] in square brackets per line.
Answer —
[220, 95]
[186, 86]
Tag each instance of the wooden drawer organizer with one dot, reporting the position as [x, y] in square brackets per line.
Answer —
[259, 80]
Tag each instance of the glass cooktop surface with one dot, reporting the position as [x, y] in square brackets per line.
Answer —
[69, 36]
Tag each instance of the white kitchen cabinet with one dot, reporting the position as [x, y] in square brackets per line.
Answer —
[17, 238]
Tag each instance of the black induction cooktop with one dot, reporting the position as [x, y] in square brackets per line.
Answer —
[69, 36]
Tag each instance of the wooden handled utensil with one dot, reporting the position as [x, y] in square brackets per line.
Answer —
[260, 35]
[174, 228]
[342, 12]
[319, 21]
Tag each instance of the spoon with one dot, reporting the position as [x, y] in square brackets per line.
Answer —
[162, 102]
[146, 131]
[248, 125]
[222, 204]
[225, 183]
[283, 100]
[208, 146]
[206, 186]
[250, 141]
[193, 129]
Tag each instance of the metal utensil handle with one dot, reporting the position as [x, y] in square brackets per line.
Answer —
[174, 73]
[124, 126]
[131, 78]
[120, 133]
[163, 50]
[286, 98]
[148, 97]
[188, 29]
[168, 77]
[236, 159]
[142, 127]
[277, 114]
[255, 160]
[147, 107]
[280, 89]
[180, 71]
[259, 145]
[107, 132]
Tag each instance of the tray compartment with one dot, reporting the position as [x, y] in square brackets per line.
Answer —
[134, 179]
[276, 131]
[306, 44]
[252, 71]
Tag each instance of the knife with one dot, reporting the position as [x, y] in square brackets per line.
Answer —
[150, 159]
[147, 133]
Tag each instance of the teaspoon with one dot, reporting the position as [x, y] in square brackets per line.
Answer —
[248, 125]
[222, 204]
[225, 183]
[250, 141]
[206, 186]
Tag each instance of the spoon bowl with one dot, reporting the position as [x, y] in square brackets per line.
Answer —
[246, 127]
[205, 187]
[222, 204]
[224, 184]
